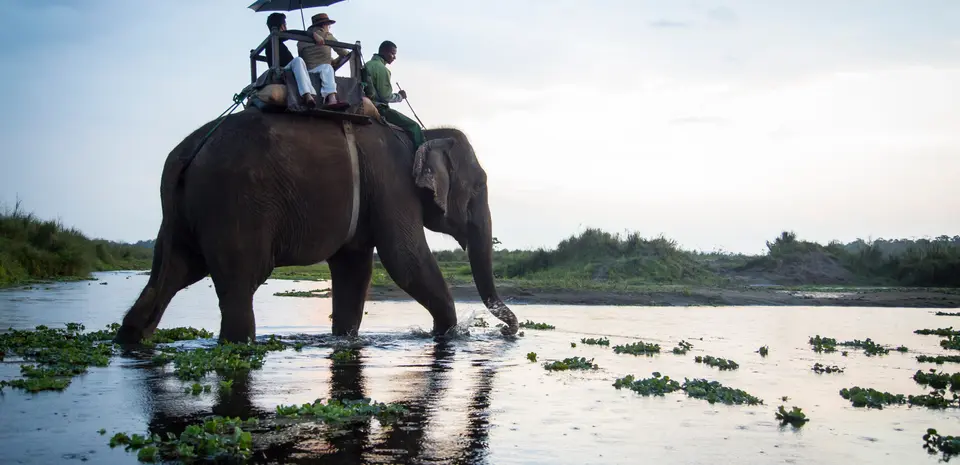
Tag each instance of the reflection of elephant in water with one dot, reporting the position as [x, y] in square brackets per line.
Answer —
[269, 190]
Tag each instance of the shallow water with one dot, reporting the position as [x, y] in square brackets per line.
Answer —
[478, 399]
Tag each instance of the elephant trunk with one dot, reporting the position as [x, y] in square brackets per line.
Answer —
[480, 251]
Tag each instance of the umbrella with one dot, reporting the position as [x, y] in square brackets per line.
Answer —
[290, 5]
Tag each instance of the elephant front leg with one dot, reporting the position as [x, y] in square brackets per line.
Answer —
[412, 266]
[350, 271]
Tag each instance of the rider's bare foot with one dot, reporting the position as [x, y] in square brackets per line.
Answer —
[332, 99]
[309, 100]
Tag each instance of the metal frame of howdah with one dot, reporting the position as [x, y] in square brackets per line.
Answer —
[301, 36]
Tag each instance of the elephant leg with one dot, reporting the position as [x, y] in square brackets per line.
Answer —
[408, 260]
[236, 277]
[351, 271]
[172, 270]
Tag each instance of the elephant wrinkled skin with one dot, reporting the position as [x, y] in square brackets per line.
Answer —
[269, 190]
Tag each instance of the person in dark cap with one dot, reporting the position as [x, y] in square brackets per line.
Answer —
[288, 61]
[319, 57]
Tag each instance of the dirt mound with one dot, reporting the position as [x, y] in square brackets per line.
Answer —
[816, 267]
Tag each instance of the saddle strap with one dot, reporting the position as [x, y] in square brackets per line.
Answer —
[355, 173]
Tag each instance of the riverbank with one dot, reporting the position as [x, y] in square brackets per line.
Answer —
[703, 296]
[34, 251]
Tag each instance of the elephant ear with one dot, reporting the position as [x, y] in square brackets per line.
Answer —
[431, 169]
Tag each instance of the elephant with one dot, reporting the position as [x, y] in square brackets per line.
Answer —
[272, 189]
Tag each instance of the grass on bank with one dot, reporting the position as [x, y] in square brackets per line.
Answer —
[32, 249]
[598, 260]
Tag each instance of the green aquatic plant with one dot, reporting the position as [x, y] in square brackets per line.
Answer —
[637, 348]
[820, 369]
[656, 385]
[902, 349]
[952, 342]
[871, 398]
[763, 351]
[944, 332]
[532, 325]
[319, 293]
[571, 363]
[58, 354]
[532, 356]
[938, 380]
[823, 344]
[947, 314]
[936, 399]
[162, 336]
[573, 344]
[603, 341]
[344, 355]
[215, 440]
[947, 445]
[713, 391]
[721, 363]
[795, 416]
[869, 347]
[682, 348]
[939, 359]
[227, 359]
[344, 410]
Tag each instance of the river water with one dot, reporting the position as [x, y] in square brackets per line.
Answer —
[478, 399]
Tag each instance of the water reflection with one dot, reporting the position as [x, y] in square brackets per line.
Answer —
[405, 441]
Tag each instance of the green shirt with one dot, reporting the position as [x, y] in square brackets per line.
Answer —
[379, 88]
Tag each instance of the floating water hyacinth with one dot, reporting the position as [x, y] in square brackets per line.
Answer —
[596, 342]
[682, 348]
[656, 385]
[720, 363]
[795, 416]
[939, 359]
[216, 439]
[871, 398]
[820, 368]
[947, 445]
[944, 332]
[533, 325]
[344, 410]
[571, 363]
[637, 348]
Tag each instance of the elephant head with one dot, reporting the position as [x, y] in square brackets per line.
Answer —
[455, 203]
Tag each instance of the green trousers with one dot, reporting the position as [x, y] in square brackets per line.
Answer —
[407, 124]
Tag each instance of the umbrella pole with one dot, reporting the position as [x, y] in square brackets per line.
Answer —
[302, 21]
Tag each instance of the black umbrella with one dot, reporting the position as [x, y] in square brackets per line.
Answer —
[290, 5]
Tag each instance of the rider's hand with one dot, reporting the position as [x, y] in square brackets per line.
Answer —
[403, 94]
[317, 38]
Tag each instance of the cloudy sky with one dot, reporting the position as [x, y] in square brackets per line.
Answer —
[718, 124]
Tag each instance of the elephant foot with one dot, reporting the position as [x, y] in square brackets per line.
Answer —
[236, 336]
[441, 332]
[128, 335]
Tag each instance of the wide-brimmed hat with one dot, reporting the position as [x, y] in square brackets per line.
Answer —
[321, 18]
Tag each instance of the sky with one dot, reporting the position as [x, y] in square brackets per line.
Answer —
[717, 124]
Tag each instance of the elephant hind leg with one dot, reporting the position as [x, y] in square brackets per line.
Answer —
[236, 276]
[350, 271]
[174, 268]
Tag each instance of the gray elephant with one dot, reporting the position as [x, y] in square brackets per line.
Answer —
[280, 189]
